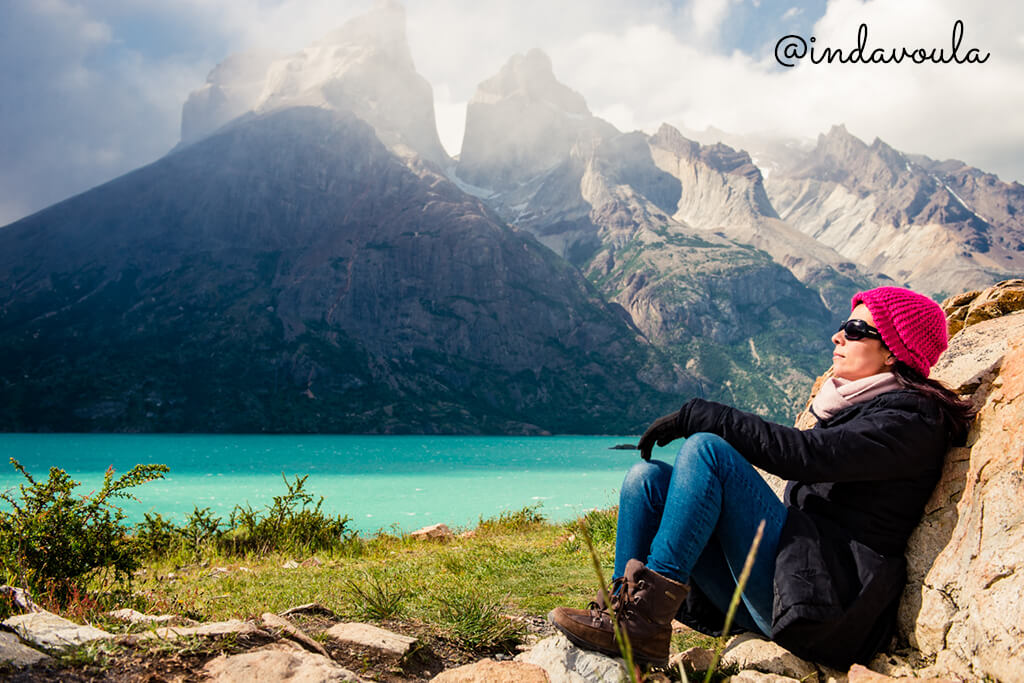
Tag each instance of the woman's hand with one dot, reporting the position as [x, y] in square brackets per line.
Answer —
[662, 431]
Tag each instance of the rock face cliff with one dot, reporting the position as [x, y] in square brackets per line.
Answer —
[934, 226]
[723, 191]
[963, 602]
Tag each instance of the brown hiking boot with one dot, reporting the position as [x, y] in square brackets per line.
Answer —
[602, 595]
[644, 607]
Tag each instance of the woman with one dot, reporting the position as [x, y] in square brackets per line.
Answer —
[829, 571]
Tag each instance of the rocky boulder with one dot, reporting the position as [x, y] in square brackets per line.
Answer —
[962, 603]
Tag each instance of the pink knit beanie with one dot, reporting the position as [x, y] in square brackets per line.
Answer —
[912, 326]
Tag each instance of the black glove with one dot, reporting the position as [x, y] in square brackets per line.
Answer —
[661, 431]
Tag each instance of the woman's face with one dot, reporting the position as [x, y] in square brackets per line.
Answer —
[863, 357]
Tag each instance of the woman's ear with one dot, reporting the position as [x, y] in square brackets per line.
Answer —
[891, 360]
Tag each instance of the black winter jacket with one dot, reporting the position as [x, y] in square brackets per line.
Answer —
[858, 485]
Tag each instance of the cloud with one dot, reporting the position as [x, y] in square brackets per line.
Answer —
[708, 15]
[94, 89]
[78, 108]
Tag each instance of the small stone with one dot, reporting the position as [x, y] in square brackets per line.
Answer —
[276, 662]
[210, 629]
[290, 631]
[563, 661]
[15, 653]
[311, 562]
[436, 532]
[693, 660]
[862, 674]
[366, 635]
[133, 617]
[490, 671]
[20, 597]
[50, 631]
[752, 652]
[290, 564]
[751, 676]
[308, 608]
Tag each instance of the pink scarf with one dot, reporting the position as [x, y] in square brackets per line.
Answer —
[836, 394]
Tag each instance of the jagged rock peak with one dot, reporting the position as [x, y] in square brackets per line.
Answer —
[719, 156]
[364, 67]
[531, 77]
[522, 122]
[839, 143]
[670, 139]
[382, 29]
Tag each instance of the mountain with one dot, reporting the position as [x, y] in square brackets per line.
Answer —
[364, 67]
[745, 327]
[290, 273]
[723, 191]
[939, 227]
[310, 259]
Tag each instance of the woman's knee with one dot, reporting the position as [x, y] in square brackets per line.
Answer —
[645, 476]
[711, 449]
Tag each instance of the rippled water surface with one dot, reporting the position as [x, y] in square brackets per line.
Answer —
[378, 481]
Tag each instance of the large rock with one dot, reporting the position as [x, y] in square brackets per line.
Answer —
[53, 632]
[963, 599]
[566, 663]
[373, 637]
[969, 308]
[276, 662]
[750, 652]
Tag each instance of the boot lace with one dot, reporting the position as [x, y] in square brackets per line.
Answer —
[624, 602]
[611, 593]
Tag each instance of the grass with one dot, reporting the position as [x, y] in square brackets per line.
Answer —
[516, 564]
[472, 593]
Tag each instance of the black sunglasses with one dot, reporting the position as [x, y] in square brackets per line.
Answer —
[855, 329]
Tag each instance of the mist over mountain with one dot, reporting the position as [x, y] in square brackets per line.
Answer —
[310, 259]
[290, 273]
[364, 66]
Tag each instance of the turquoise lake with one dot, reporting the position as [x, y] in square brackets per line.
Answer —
[380, 482]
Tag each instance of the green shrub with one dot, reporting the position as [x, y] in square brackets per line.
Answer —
[54, 541]
[156, 536]
[293, 523]
[518, 520]
[600, 523]
[201, 531]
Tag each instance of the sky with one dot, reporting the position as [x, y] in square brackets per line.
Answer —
[92, 89]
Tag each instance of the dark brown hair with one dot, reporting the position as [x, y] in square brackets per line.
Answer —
[959, 413]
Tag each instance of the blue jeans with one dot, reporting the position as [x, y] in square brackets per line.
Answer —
[694, 523]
